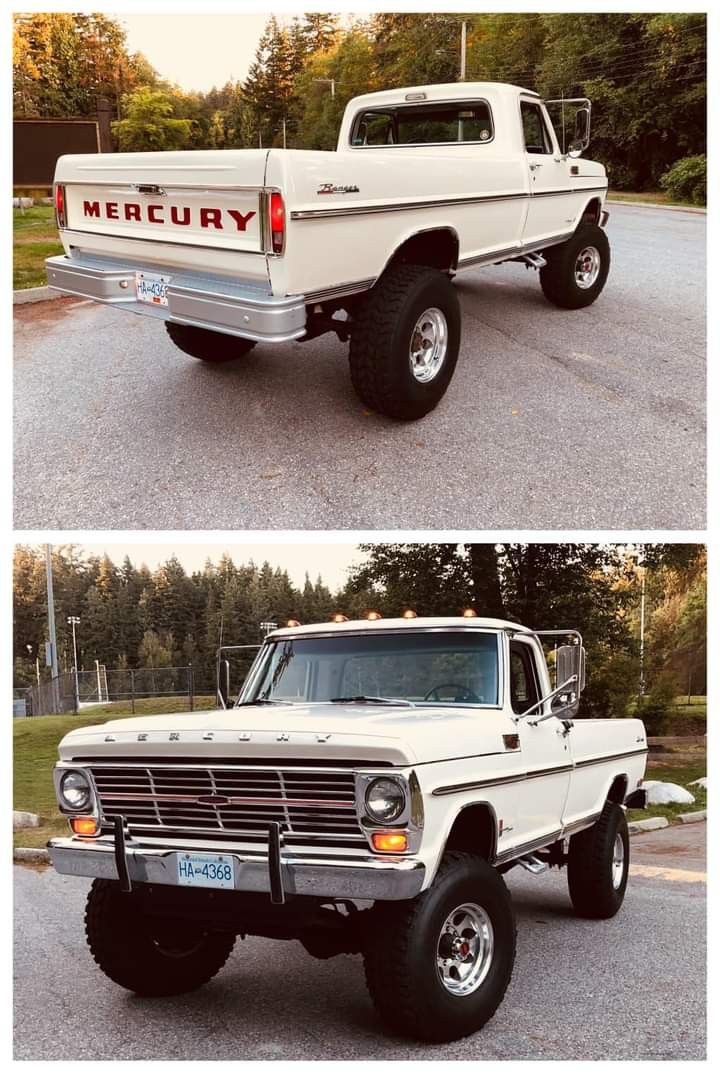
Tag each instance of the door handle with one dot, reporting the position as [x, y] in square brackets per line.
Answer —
[534, 166]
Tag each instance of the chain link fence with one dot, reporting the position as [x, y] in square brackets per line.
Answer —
[122, 690]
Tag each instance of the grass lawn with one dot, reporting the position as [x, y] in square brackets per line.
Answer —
[150, 706]
[657, 197]
[35, 237]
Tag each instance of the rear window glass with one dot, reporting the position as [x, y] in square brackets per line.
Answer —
[431, 124]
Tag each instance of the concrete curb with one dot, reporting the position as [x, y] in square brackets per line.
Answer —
[650, 824]
[654, 205]
[693, 818]
[35, 294]
[31, 855]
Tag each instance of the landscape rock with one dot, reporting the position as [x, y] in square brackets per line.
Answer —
[665, 793]
[22, 819]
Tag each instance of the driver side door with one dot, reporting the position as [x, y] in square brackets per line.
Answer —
[545, 752]
[549, 205]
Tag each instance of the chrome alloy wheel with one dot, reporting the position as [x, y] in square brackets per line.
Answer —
[618, 862]
[428, 345]
[465, 949]
[587, 267]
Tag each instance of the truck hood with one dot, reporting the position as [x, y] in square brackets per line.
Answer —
[360, 733]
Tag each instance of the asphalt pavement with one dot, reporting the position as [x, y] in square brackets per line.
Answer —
[629, 988]
[554, 419]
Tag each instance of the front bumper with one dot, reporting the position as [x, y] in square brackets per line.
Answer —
[237, 308]
[357, 878]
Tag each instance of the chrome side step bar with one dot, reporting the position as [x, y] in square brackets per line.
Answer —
[536, 261]
[533, 864]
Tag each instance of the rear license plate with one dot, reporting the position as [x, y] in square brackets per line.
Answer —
[152, 289]
[206, 870]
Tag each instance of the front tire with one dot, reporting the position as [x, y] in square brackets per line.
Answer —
[437, 967]
[146, 955]
[598, 864]
[212, 347]
[576, 271]
[405, 341]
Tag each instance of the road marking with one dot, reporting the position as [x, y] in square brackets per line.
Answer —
[658, 872]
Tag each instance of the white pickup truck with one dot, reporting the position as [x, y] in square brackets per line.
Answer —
[400, 764]
[234, 247]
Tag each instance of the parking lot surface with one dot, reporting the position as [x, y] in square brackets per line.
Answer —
[629, 988]
[554, 419]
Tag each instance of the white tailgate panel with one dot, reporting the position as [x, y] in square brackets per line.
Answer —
[218, 218]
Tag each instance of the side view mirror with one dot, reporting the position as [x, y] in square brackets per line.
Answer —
[570, 663]
[581, 136]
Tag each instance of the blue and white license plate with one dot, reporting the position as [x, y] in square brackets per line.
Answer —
[206, 870]
[152, 289]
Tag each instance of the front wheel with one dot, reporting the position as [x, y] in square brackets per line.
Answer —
[576, 271]
[405, 341]
[437, 967]
[149, 956]
[598, 864]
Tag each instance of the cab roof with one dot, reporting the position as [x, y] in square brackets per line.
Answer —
[444, 91]
[352, 626]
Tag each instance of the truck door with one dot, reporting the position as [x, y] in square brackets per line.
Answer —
[545, 753]
[549, 206]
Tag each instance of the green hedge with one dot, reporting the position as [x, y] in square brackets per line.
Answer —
[687, 180]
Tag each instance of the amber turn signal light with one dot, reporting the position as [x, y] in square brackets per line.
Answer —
[84, 825]
[392, 842]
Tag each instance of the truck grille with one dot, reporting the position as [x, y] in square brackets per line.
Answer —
[200, 801]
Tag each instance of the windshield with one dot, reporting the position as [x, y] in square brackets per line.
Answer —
[452, 667]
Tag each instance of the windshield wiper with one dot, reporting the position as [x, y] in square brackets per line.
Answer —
[363, 699]
[261, 701]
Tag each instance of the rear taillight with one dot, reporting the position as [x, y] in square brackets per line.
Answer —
[60, 205]
[277, 223]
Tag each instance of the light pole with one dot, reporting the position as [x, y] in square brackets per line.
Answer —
[51, 612]
[463, 51]
[74, 621]
[641, 568]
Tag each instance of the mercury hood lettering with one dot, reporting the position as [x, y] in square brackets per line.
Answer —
[180, 215]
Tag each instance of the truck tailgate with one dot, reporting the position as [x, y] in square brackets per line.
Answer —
[189, 199]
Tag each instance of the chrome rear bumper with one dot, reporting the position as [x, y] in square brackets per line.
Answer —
[357, 878]
[239, 308]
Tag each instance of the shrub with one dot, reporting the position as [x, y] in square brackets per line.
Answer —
[655, 708]
[687, 180]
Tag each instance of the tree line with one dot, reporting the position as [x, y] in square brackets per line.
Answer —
[645, 74]
[133, 617]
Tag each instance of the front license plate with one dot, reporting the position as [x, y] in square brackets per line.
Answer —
[152, 289]
[206, 870]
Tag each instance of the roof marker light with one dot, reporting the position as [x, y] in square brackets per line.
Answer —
[293, 622]
[469, 613]
[409, 614]
[373, 615]
[339, 618]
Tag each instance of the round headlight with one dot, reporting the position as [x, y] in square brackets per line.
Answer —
[75, 790]
[385, 800]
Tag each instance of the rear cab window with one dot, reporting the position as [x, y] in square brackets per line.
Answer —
[434, 123]
[536, 135]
